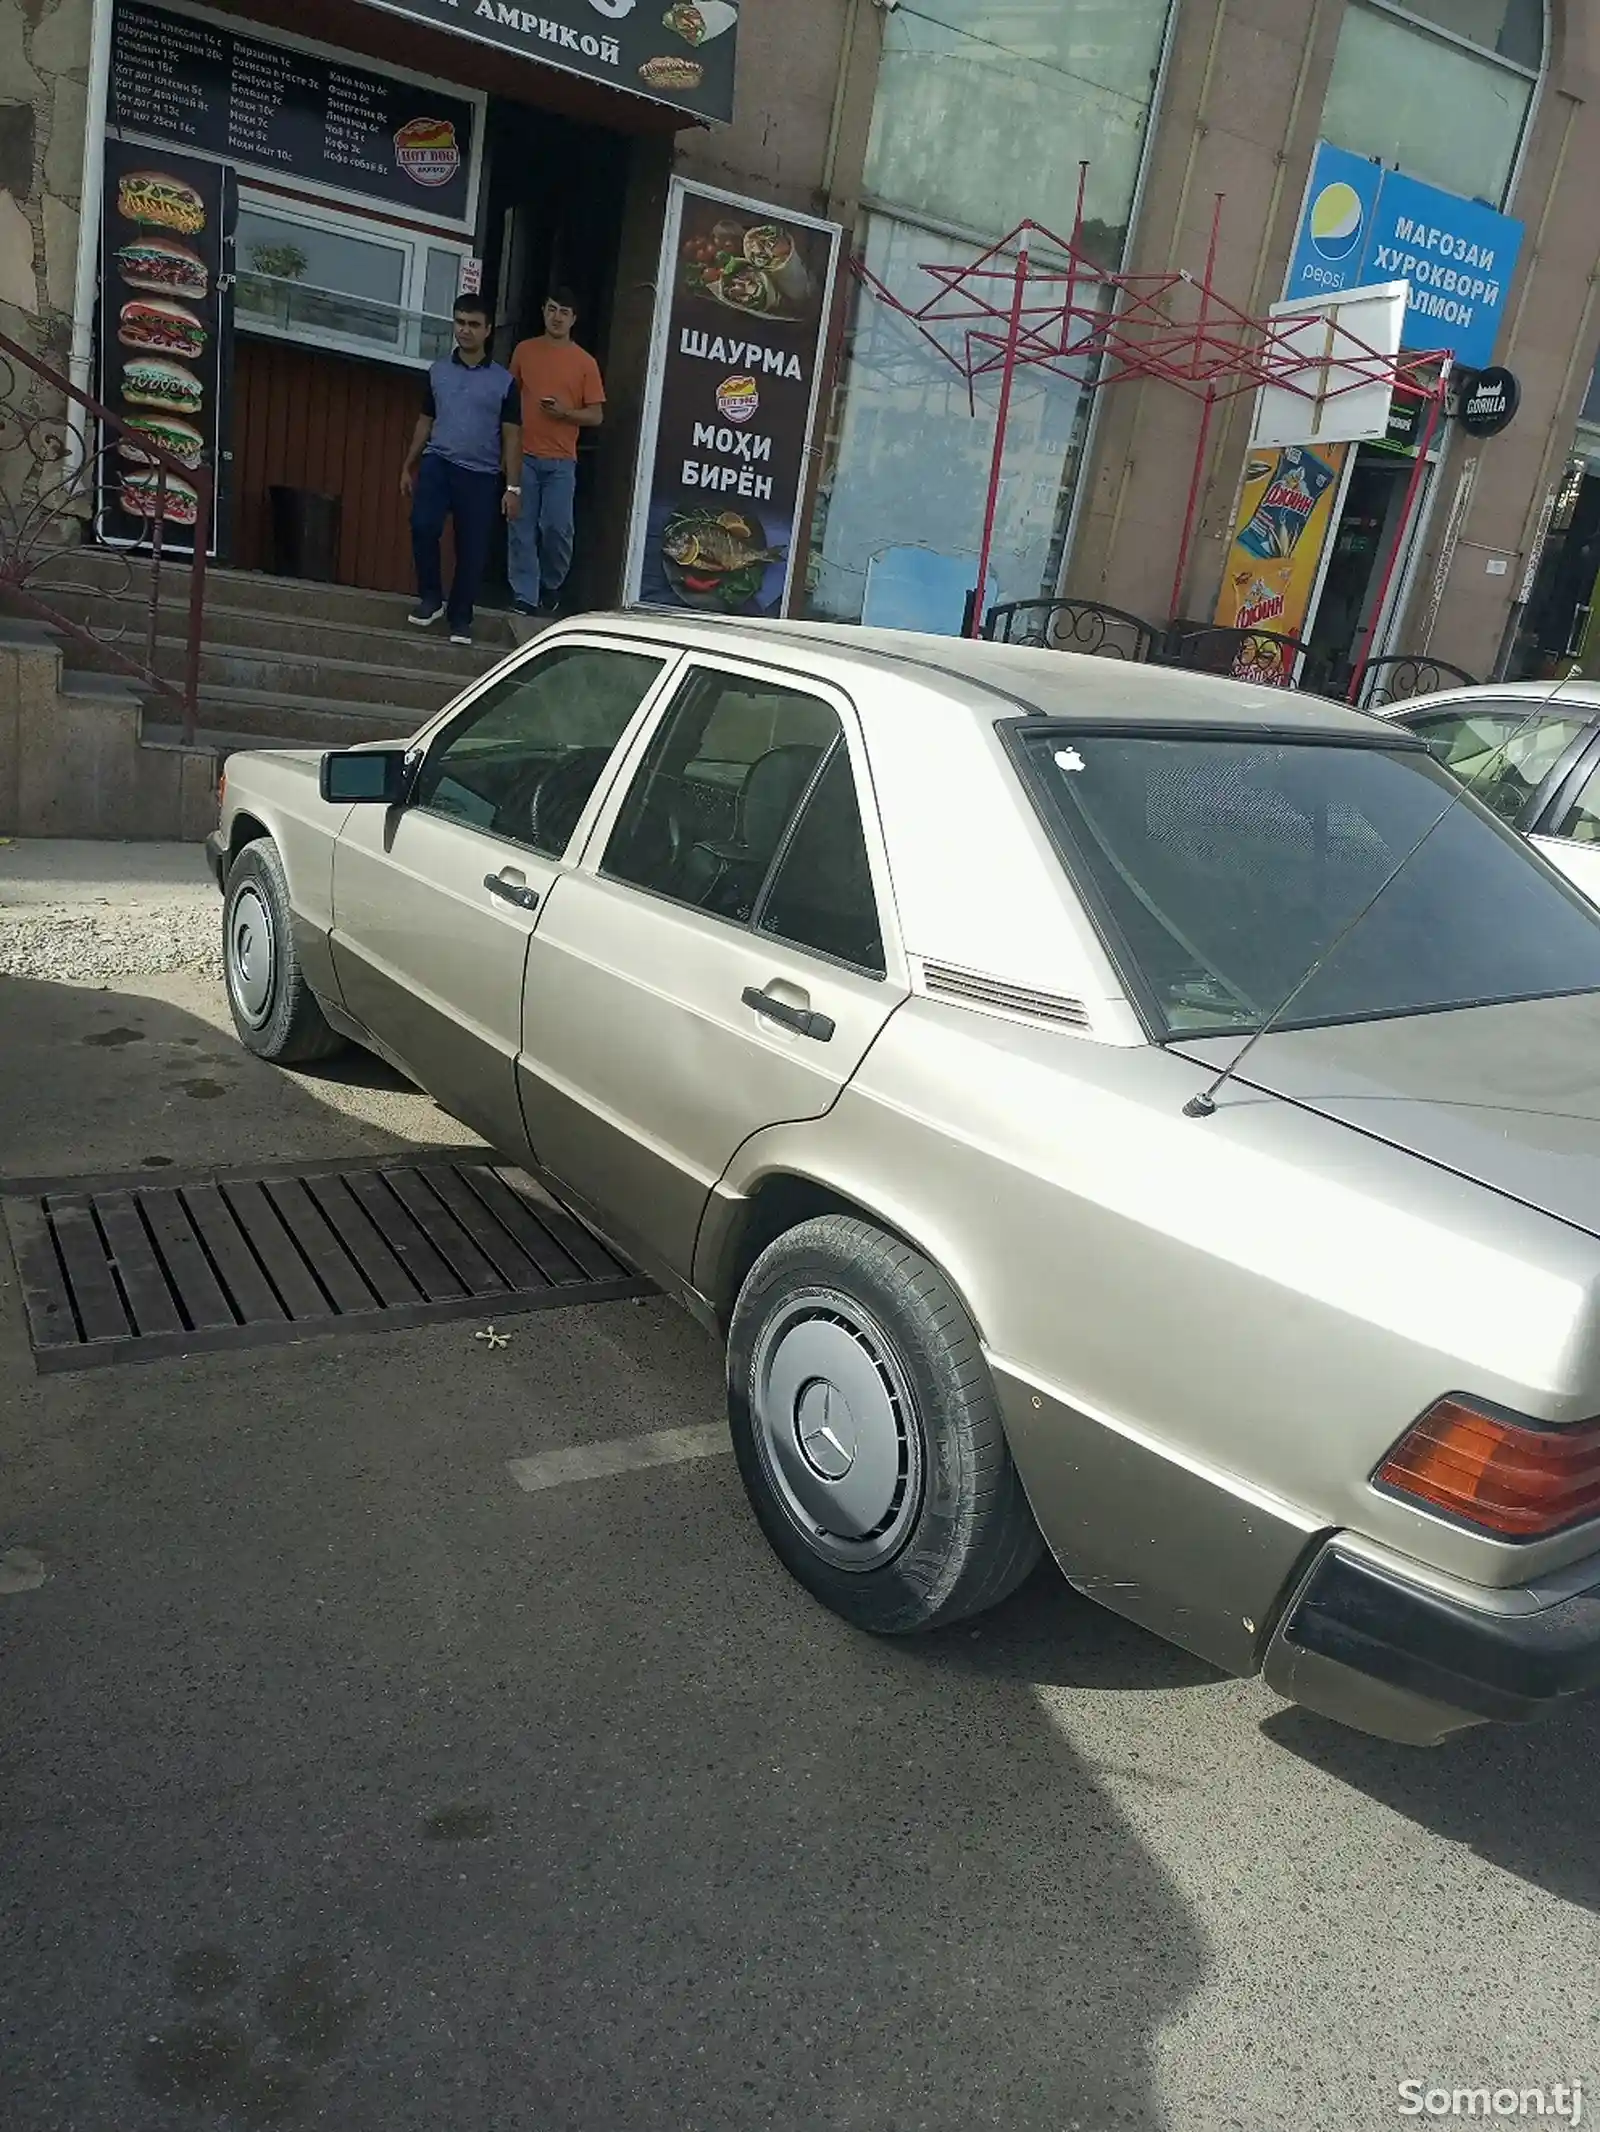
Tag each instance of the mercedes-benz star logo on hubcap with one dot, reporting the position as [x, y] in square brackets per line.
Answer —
[826, 1429]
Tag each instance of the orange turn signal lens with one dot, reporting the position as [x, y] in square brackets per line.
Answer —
[1519, 1482]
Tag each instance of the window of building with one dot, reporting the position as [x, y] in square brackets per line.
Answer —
[983, 111]
[344, 281]
[1028, 91]
[1440, 89]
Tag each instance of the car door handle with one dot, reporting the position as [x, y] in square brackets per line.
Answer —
[526, 899]
[803, 1020]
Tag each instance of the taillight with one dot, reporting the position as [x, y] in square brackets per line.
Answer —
[1518, 1481]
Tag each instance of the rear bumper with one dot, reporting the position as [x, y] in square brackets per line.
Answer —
[1364, 1643]
[217, 859]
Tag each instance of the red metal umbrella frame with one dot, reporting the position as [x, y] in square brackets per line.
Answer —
[1007, 309]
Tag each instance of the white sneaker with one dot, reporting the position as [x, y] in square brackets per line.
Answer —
[458, 637]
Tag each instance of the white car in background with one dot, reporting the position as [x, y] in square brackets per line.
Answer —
[1531, 753]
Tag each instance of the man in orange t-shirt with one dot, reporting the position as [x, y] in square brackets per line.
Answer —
[561, 394]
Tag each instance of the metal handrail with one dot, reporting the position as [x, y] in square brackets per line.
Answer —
[32, 513]
[1402, 675]
[1265, 656]
[1081, 626]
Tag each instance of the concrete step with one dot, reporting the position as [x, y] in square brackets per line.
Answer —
[287, 675]
[262, 718]
[227, 626]
[284, 677]
[221, 745]
[298, 599]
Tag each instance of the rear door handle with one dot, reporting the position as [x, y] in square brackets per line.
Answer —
[526, 899]
[803, 1020]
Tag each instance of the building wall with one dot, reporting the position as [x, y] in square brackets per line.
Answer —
[794, 139]
[1240, 119]
[44, 61]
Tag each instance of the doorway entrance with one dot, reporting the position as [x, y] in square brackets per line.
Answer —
[556, 197]
[1364, 534]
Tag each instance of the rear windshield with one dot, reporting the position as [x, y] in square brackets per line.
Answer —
[1226, 867]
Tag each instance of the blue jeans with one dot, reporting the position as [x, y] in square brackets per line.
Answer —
[540, 541]
[445, 490]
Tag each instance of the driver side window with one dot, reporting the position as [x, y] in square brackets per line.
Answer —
[523, 760]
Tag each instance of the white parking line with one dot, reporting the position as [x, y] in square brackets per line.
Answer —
[625, 1454]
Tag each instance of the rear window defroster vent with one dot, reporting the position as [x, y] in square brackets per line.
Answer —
[945, 980]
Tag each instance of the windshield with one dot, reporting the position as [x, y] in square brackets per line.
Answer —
[1228, 865]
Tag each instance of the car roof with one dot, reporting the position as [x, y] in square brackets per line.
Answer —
[1556, 699]
[1056, 684]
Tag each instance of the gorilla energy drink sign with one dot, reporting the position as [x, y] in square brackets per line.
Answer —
[1290, 499]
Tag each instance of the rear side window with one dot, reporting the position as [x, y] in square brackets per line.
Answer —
[722, 781]
[821, 893]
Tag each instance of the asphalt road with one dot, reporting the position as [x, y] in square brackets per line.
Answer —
[344, 1782]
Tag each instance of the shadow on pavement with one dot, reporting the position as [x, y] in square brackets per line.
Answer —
[343, 1782]
[1519, 1796]
[1051, 1636]
[96, 1080]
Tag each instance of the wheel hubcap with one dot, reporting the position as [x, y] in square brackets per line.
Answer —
[252, 955]
[836, 1430]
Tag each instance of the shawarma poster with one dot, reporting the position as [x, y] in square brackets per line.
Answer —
[165, 321]
[1286, 511]
[736, 367]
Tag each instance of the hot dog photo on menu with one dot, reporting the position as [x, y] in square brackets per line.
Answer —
[161, 324]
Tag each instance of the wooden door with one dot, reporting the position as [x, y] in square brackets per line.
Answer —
[332, 423]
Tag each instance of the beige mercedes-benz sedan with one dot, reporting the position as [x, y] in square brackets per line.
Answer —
[1129, 1112]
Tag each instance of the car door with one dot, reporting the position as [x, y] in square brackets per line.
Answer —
[1567, 830]
[1508, 751]
[434, 902]
[720, 962]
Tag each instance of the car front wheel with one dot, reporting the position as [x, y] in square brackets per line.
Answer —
[867, 1432]
[274, 1009]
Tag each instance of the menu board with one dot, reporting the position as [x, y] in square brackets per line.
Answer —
[272, 108]
[737, 361]
[165, 322]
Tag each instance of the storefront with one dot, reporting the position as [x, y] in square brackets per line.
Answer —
[289, 220]
[1394, 194]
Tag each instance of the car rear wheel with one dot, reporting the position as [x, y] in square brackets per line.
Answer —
[274, 1009]
[867, 1432]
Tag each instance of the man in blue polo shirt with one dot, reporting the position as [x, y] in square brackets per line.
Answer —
[465, 463]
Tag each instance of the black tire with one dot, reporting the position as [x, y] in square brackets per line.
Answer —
[958, 1535]
[274, 1010]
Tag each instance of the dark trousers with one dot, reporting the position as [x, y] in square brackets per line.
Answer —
[443, 491]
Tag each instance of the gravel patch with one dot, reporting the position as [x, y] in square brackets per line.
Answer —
[73, 944]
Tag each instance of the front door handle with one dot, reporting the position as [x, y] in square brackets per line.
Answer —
[805, 1021]
[526, 899]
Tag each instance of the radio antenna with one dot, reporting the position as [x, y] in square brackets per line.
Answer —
[1204, 1104]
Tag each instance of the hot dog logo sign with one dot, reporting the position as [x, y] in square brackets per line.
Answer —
[427, 150]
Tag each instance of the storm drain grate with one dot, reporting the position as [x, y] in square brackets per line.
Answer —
[123, 1270]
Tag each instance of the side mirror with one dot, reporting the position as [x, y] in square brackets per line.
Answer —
[373, 777]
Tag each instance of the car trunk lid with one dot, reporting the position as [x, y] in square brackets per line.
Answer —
[1507, 1095]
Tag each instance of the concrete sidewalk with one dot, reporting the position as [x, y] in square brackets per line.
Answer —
[84, 913]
